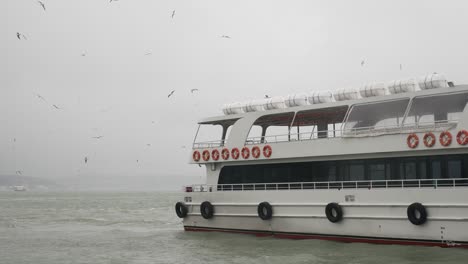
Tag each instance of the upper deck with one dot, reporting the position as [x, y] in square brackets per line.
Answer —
[373, 126]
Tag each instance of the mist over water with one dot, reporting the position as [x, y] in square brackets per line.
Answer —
[131, 227]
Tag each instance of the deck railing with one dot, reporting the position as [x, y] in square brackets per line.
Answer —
[338, 133]
[379, 184]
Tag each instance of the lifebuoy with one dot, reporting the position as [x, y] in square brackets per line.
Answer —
[412, 140]
[225, 154]
[445, 138]
[245, 152]
[462, 137]
[215, 154]
[267, 151]
[235, 153]
[206, 155]
[196, 155]
[181, 210]
[207, 210]
[265, 211]
[334, 212]
[429, 139]
[256, 152]
[417, 214]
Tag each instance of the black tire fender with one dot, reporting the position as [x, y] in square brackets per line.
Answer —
[417, 213]
[265, 210]
[207, 210]
[334, 212]
[181, 209]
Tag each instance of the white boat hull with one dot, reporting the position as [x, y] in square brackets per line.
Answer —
[375, 215]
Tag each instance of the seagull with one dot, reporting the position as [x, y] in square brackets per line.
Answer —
[20, 36]
[40, 97]
[85, 159]
[112, 0]
[172, 92]
[56, 107]
[148, 53]
[149, 145]
[266, 96]
[173, 14]
[362, 63]
[225, 36]
[193, 90]
[83, 54]
[137, 161]
[18, 172]
[42, 4]
[98, 137]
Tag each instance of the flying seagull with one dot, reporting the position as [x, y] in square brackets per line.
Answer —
[40, 97]
[172, 92]
[20, 36]
[362, 63]
[56, 107]
[193, 90]
[85, 159]
[148, 53]
[18, 172]
[98, 137]
[266, 96]
[83, 54]
[112, 1]
[173, 14]
[226, 36]
[42, 4]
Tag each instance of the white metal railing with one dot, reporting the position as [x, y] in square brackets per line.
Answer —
[295, 137]
[338, 133]
[379, 184]
[208, 144]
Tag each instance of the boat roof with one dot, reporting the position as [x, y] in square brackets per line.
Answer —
[230, 119]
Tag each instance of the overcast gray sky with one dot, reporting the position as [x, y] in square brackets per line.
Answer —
[115, 90]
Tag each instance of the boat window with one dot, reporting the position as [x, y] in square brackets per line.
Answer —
[213, 134]
[436, 169]
[436, 109]
[377, 170]
[318, 123]
[454, 168]
[407, 168]
[376, 116]
[274, 128]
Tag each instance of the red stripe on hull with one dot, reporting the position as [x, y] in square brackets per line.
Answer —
[329, 238]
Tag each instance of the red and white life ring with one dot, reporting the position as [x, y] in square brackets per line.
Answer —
[225, 154]
[245, 152]
[206, 155]
[256, 152]
[412, 140]
[267, 151]
[215, 154]
[196, 155]
[445, 138]
[235, 153]
[429, 139]
[462, 137]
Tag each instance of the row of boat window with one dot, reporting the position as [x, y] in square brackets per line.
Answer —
[430, 167]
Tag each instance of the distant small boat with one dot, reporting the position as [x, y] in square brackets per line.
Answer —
[19, 188]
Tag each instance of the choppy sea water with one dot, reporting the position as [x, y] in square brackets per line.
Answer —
[143, 228]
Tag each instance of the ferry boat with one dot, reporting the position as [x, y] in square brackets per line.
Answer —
[386, 163]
